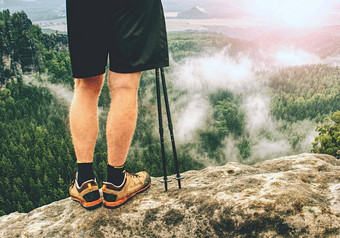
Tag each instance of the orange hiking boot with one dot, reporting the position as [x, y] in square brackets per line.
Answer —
[115, 196]
[87, 194]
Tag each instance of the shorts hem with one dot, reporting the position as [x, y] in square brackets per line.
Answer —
[140, 68]
[87, 75]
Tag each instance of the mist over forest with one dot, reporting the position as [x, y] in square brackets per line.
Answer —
[246, 99]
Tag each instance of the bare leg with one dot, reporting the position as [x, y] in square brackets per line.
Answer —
[84, 116]
[121, 122]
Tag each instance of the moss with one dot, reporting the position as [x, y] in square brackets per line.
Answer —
[188, 202]
[208, 207]
[225, 226]
[173, 217]
[263, 222]
[331, 231]
[150, 215]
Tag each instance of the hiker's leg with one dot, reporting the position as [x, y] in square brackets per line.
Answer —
[121, 122]
[84, 116]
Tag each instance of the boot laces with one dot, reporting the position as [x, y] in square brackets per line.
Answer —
[134, 175]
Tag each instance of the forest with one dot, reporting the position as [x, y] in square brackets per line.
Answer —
[37, 161]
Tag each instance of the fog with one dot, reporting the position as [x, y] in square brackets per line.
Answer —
[193, 117]
[198, 77]
[291, 57]
[60, 91]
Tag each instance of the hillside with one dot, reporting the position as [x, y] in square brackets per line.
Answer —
[25, 48]
[322, 41]
[294, 196]
[305, 92]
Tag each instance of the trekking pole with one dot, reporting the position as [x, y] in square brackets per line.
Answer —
[165, 93]
[160, 123]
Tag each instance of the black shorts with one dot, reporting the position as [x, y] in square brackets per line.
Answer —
[131, 32]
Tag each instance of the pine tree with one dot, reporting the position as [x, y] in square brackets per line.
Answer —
[328, 140]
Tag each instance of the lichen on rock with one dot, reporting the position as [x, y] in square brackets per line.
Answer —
[292, 196]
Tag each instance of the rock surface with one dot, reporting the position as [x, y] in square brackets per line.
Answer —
[293, 196]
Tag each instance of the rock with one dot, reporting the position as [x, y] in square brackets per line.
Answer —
[293, 196]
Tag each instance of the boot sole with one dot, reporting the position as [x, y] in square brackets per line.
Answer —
[122, 201]
[88, 205]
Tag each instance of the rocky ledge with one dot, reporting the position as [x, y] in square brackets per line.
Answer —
[293, 196]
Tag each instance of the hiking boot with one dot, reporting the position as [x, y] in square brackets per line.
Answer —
[87, 194]
[115, 196]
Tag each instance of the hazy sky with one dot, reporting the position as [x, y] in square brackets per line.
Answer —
[285, 12]
[295, 13]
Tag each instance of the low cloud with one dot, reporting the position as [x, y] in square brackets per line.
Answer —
[258, 117]
[201, 76]
[264, 149]
[230, 150]
[191, 117]
[214, 72]
[60, 91]
[292, 57]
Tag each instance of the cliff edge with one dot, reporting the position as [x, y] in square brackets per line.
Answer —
[295, 195]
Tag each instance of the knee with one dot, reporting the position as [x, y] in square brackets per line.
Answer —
[90, 85]
[123, 82]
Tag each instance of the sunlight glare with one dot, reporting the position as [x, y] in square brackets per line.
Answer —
[297, 13]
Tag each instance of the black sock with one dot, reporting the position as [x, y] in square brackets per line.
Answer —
[115, 174]
[85, 172]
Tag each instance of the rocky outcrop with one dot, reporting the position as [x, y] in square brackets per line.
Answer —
[293, 196]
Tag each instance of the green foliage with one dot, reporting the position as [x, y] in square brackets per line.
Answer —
[190, 44]
[228, 118]
[336, 117]
[24, 48]
[37, 158]
[305, 92]
[58, 63]
[328, 140]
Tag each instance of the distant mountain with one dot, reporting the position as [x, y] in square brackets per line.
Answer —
[211, 6]
[194, 13]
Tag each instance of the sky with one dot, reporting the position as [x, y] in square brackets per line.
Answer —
[296, 13]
